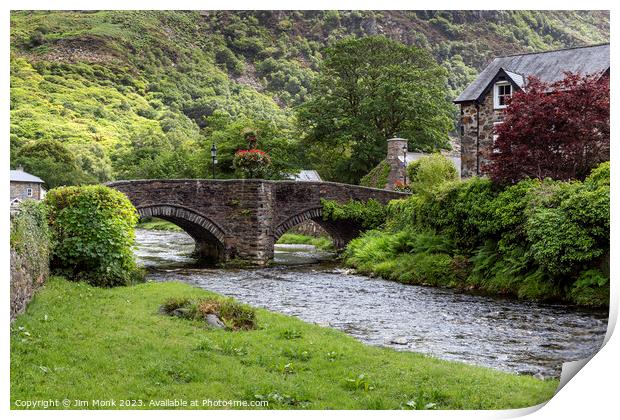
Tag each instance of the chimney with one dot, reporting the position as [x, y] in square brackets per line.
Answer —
[395, 148]
[397, 169]
[20, 168]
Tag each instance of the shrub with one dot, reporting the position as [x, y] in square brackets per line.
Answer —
[591, 288]
[537, 240]
[570, 229]
[252, 163]
[368, 215]
[428, 172]
[93, 234]
[458, 210]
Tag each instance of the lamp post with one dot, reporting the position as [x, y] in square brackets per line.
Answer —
[213, 158]
[405, 164]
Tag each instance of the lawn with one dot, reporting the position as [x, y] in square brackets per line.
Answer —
[321, 242]
[77, 342]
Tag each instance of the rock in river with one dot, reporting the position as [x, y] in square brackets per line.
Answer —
[399, 340]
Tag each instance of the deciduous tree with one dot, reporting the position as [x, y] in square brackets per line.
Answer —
[369, 90]
[558, 130]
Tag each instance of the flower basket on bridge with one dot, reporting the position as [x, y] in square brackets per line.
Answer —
[253, 163]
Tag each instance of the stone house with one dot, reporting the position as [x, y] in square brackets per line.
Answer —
[25, 185]
[483, 102]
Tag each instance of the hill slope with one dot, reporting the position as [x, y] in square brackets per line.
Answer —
[145, 93]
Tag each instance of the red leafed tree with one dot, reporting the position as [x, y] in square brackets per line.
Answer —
[558, 130]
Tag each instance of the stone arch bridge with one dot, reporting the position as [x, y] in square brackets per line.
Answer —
[244, 218]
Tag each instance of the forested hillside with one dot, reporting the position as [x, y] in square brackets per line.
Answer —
[106, 95]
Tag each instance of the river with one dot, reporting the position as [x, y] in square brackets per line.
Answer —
[505, 334]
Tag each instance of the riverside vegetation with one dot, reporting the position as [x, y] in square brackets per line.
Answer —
[539, 240]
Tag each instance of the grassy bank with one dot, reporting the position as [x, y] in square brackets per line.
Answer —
[321, 242]
[153, 223]
[80, 342]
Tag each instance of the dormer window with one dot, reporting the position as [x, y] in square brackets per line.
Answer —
[501, 92]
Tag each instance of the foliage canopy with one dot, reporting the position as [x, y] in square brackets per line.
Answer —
[369, 90]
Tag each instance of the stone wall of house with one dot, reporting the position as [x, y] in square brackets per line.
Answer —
[475, 156]
[20, 190]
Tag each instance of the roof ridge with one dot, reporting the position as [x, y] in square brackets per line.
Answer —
[550, 51]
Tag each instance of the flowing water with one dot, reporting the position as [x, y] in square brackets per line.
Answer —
[505, 334]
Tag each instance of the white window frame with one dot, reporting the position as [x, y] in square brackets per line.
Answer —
[496, 103]
[29, 192]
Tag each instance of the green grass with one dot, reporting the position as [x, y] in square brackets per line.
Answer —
[158, 224]
[80, 342]
[321, 242]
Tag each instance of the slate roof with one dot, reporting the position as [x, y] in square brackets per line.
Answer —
[548, 66]
[21, 176]
[307, 175]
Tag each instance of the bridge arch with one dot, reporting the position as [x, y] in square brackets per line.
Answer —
[341, 232]
[210, 238]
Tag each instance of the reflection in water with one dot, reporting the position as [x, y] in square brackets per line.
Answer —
[499, 333]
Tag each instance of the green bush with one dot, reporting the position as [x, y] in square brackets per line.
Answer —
[426, 173]
[405, 256]
[507, 213]
[570, 230]
[93, 234]
[535, 240]
[591, 288]
[368, 215]
[458, 210]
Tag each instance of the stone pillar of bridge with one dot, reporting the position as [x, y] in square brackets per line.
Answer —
[251, 239]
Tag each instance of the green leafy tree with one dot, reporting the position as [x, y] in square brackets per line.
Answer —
[426, 173]
[229, 134]
[51, 161]
[93, 234]
[369, 90]
[151, 155]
